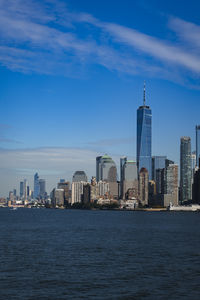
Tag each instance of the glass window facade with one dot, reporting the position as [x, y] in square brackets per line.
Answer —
[197, 145]
[144, 137]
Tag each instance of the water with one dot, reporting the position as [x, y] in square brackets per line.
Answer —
[74, 254]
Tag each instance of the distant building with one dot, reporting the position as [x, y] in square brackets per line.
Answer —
[25, 189]
[130, 178]
[86, 193]
[103, 188]
[36, 191]
[57, 197]
[144, 137]
[66, 186]
[143, 186]
[106, 169]
[196, 187]
[21, 189]
[79, 176]
[168, 162]
[185, 170]
[158, 162]
[193, 162]
[62, 180]
[122, 162]
[159, 180]
[15, 192]
[171, 183]
[42, 188]
[197, 145]
[98, 168]
[77, 191]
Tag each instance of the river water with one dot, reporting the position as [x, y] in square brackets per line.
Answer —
[77, 254]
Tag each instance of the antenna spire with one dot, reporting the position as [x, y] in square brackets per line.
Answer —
[144, 100]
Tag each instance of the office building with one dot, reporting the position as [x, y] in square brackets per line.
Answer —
[171, 184]
[144, 137]
[77, 191]
[66, 186]
[185, 170]
[36, 191]
[197, 145]
[143, 186]
[57, 197]
[103, 189]
[106, 169]
[158, 162]
[79, 176]
[21, 189]
[130, 178]
[193, 162]
[196, 187]
[122, 162]
[98, 168]
[86, 193]
[42, 188]
[25, 189]
[159, 181]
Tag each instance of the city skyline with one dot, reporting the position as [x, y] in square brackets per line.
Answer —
[62, 105]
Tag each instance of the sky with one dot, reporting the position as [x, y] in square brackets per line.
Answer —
[71, 80]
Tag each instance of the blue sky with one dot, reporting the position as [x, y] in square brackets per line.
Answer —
[72, 76]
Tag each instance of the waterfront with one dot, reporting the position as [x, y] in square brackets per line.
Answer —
[76, 254]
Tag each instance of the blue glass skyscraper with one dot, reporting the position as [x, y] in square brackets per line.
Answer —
[144, 136]
[197, 145]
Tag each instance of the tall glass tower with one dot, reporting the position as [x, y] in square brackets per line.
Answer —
[185, 170]
[197, 145]
[144, 117]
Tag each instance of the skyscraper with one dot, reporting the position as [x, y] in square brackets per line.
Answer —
[42, 185]
[144, 117]
[158, 162]
[197, 145]
[79, 176]
[98, 168]
[185, 170]
[36, 186]
[122, 162]
[130, 178]
[21, 189]
[106, 169]
[171, 183]
[143, 186]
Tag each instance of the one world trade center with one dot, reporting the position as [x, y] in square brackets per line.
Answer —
[144, 137]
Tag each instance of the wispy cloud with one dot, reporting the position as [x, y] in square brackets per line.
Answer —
[186, 31]
[44, 37]
[112, 141]
[3, 135]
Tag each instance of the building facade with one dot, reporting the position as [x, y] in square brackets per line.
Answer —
[106, 169]
[144, 137]
[185, 170]
[171, 183]
[143, 186]
[36, 191]
[130, 179]
[79, 176]
[197, 145]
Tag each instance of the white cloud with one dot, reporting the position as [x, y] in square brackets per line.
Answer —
[43, 37]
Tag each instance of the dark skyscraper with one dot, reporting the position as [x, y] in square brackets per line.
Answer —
[185, 169]
[144, 117]
[36, 186]
[197, 145]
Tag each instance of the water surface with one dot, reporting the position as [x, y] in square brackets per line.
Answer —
[76, 254]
